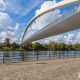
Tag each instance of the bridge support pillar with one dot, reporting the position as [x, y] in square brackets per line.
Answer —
[20, 48]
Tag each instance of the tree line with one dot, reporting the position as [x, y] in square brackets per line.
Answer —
[54, 46]
[37, 46]
[11, 46]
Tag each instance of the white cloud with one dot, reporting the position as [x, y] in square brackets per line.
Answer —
[45, 6]
[2, 5]
[3, 40]
[6, 31]
[4, 19]
[71, 36]
[16, 27]
[16, 39]
[3, 34]
[12, 6]
[19, 7]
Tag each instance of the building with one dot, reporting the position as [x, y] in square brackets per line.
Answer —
[51, 42]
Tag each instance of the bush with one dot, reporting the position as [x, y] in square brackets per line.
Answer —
[12, 48]
[6, 49]
[17, 49]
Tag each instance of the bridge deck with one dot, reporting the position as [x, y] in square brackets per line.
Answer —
[67, 22]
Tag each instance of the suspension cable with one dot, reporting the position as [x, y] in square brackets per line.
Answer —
[49, 16]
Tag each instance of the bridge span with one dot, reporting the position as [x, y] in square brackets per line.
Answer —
[67, 22]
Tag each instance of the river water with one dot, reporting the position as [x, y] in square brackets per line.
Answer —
[32, 55]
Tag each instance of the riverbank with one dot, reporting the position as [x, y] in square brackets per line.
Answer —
[55, 69]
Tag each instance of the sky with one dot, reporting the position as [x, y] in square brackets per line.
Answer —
[16, 14]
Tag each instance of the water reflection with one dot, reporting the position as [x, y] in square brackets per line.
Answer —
[6, 55]
[32, 55]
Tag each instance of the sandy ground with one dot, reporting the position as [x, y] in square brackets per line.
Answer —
[55, 69]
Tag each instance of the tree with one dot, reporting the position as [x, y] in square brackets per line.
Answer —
[69, 46]
[12, 48]
[45, 46]
[28, 46]
[1, 46]
[14, 45]
[4, 45]
[77, 46]
[7, 42]
[37, 46]
[50, 46]
[62, 45]
[58, 46]
[54, 46]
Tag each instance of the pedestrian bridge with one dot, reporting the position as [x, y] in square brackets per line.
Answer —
[65, 23]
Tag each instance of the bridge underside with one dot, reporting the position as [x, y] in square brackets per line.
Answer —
[69, 24]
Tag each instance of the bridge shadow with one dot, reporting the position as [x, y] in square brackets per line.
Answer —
[41, 63]
[24, 64]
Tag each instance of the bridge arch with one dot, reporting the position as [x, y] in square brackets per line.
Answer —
[52, 8]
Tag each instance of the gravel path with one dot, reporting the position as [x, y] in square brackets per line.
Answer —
[55, 69]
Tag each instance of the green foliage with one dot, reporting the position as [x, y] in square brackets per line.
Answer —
[17, 49]
[4, 45]
[28, 46]
[69, 46]
[58, 46]
[14, 45]
[50, 46]
[45, 47]
[37, 46]
[54, 46]
[7, 44]
[77, 46]
[1, 46]
[11, 48]
[6, 49]
[62, 46]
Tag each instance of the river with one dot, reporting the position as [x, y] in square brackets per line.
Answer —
[12, 56]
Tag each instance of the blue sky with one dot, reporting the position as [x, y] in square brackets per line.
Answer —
[16, 14]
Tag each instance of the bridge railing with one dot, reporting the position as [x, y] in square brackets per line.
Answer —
[61, 18]
[73, 11]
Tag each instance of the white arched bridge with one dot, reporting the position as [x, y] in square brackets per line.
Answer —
[67, 22]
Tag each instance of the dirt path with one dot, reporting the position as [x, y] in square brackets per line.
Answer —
[55, 69]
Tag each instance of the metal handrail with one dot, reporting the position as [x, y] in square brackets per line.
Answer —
[36, 57]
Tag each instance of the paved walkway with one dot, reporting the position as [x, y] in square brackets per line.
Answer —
[55, 69]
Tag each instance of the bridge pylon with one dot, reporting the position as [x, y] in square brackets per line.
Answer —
[21, 48]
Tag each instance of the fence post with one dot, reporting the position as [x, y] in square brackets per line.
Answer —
[23, 56]
[49, 54]
[37, 55]
[3, 57]
[74, 53]
[59, 54]
[67, 54]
